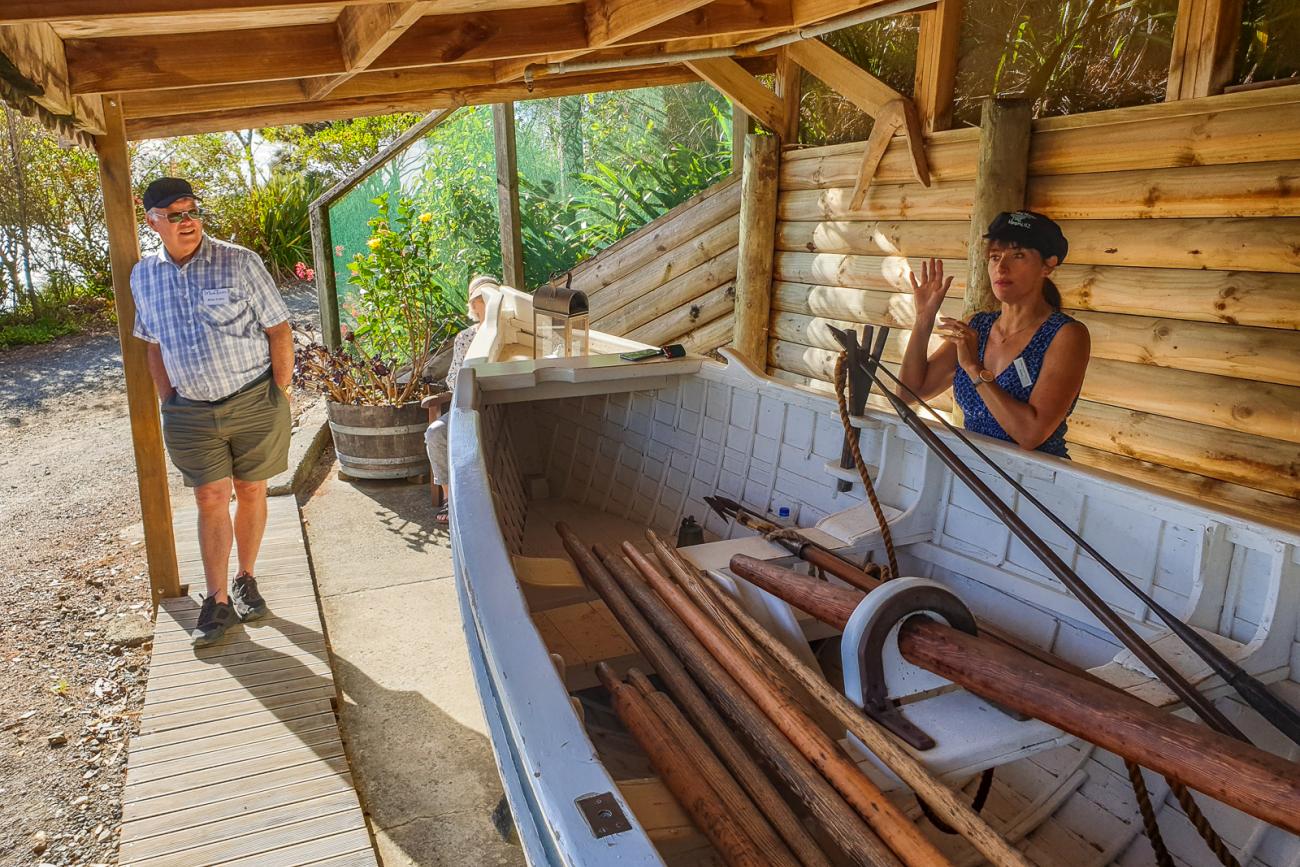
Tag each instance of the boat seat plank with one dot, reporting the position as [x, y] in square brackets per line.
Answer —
[239, 758]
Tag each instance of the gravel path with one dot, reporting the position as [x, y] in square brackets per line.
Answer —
[73, 596]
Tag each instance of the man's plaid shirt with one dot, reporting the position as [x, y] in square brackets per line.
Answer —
[209, 316]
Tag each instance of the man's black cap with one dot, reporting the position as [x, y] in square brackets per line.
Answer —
[164, 191]
[1031, 230]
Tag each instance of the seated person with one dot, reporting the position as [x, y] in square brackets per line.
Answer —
[435, 436]
[1015, 372]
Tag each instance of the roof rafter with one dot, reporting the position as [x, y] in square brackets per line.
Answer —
[365, 32]
[85, 10]
[126, 63]
[741, 88]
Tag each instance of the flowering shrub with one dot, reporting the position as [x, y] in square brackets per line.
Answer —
[403, 315]
[304, 273]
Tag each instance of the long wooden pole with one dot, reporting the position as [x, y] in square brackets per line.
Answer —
[941, 799]
[677, 765]
[694, 702]
[902, 836]
[844, 826]
[739, 807]
[141, 396]
[1236, 773]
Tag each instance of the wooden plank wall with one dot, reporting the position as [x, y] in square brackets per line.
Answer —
[1184, 228]
[673, 280]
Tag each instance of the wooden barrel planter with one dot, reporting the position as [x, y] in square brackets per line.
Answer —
[380, 442]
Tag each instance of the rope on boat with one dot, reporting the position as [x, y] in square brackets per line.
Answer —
[1150, 826]
[850, 434]
[1202, 825]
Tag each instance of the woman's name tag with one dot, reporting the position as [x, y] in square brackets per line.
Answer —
[1022, 371]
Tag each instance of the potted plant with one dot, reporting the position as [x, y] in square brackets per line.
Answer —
[374, 382]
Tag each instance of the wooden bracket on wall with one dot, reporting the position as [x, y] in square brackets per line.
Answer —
[898, 116]
[891, 111]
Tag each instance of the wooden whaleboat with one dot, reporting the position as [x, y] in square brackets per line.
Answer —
[705, 705]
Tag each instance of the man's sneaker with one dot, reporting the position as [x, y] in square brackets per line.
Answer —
[249, 604]
[214, 618]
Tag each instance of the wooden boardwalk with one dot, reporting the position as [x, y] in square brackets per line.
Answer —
[238, 760]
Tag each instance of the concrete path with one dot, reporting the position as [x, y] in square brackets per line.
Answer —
[410, 714]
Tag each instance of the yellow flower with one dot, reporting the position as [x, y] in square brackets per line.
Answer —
[374, 243]
[426, 217]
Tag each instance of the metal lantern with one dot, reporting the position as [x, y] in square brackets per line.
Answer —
[560, 322]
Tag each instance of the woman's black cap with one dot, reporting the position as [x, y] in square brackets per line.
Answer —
[164, 191]
[1029, 229]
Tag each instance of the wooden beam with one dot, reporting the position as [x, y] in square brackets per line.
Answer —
[743, 89]
[882, 130]
[789, 88]
[757, 232]
[610, 21]
[512, 245]
[365, 32]
[811, 11]
[1204, 48]
[192, 59]
[337, 109]
[84, 10]
[37, 68]
[936, 64]
[843, 76]
[141, 396]
[1001, 178]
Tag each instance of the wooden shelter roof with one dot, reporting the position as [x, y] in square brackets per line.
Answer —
[187, 66]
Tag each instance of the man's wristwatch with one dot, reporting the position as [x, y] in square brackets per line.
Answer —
[982, 376]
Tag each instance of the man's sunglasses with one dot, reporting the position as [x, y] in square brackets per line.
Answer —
[196, 214]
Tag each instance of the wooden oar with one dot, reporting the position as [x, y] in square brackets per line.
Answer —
[887, 820]
[941, 799]
[801, 548]
[844, 826]
[677, 765]
[738, 804]
[694, 702]
[1234, 772]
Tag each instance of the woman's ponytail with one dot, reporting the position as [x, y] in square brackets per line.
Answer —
[1051, 294]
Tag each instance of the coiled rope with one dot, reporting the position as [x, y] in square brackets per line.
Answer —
[851, 435]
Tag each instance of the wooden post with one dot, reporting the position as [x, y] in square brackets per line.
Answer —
[327, 296]
[512, 243]
[789, 85]
[740, 128]
[1204, 48]
[757, 237]
[141, 396]
[1001, 174]
[936, 64]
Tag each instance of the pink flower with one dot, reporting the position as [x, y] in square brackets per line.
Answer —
[338, 249]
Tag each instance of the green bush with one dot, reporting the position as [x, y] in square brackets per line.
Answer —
[403, 309]
[41, 329]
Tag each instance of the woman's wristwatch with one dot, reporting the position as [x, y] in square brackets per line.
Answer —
[982, 376]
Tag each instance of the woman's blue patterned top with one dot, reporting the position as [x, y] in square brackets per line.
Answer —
[976, 413]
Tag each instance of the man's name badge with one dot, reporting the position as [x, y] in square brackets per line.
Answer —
[1022, 371]
[220, 295]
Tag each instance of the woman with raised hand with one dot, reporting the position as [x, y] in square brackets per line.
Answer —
[1015, 372]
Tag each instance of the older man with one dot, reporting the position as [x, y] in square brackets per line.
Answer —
[221, 356]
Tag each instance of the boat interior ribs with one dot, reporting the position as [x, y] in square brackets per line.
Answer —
[612, 448]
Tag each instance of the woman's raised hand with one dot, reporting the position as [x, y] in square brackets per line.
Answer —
[930, 290]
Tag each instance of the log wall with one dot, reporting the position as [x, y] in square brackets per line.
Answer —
[1184, 228]
[673, 280]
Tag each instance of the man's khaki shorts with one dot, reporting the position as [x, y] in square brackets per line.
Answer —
[245, 436]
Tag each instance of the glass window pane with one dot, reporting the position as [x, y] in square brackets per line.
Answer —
[1270, 41]
[1068, 57]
